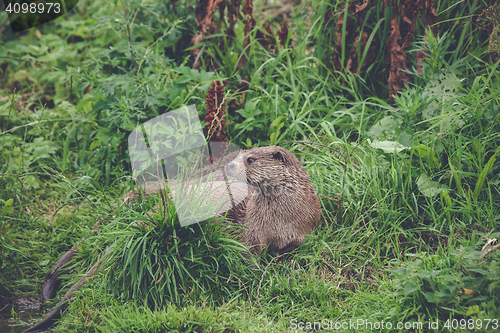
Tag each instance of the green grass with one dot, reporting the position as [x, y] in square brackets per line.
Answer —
[410, 191]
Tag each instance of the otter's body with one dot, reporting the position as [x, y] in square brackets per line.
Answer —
[281, 206]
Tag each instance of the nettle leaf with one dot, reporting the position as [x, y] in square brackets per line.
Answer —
[452, 287]
[443, 293]
[384, 129]
[205, 76]
[430, 297]
[399, 271]
[243, 112]
[184, 70]
[428, 187]
[193, 74]
[424, 275]
[410, 288]
[480, 271]
[89, 100]
[435, 273]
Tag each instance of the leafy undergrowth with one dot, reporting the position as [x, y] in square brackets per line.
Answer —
[410, 191]
[459, 286]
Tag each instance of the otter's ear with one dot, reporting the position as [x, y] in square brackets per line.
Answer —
[282, 157]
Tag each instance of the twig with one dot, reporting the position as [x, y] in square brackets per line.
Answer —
[63, 304]
[26, 125]
[490, 250]
[262, 278]
[324, 218]
[249, 299]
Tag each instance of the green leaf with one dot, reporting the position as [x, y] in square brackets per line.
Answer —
[430, 297]
[480, 271]
[472, 310]
[385, 128]
[248, 143]
[388, 146]
[276, 125]
[423, 151]
[31, 182]
[96, 143]
[276, 122]
[428, 187]
[424, 275]
[409, 288]
[7, 207]
[399, 271]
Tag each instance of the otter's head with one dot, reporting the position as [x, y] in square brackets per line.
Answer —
[266, 168]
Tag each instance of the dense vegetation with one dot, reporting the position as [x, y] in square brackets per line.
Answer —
[410, 190]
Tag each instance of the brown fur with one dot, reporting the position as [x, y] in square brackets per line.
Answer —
[281, 206]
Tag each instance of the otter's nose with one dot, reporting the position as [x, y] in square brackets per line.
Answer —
[230, 166]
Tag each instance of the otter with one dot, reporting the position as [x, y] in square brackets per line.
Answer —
[281, 206]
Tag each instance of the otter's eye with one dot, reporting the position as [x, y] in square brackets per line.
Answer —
[250, 160]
